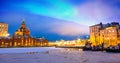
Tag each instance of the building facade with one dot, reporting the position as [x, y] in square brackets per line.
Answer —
[109, 34]
[22, 38]
[3, 30]
[95, 34]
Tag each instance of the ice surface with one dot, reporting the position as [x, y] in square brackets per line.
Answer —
[23, 50]
[55, 55]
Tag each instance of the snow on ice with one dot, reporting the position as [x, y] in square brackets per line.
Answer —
[55, 55]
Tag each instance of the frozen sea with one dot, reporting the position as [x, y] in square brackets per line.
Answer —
[55, 55]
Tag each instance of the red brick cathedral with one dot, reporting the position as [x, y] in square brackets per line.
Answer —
[22, 38]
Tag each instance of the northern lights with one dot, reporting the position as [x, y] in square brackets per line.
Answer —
[58, 19]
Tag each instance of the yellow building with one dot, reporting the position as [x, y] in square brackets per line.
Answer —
[109, 34]
[95, 34]
[3, 30]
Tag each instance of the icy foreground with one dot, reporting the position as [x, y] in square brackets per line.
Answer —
[54, 55]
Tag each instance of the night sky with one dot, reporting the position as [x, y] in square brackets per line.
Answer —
[58, 19]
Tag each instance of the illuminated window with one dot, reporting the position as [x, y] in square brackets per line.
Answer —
[113, 37]
[18, 43]
[15, 43]
[22, 40]
[109, 31]
[2, 25]
[113, 30]
[2, 42]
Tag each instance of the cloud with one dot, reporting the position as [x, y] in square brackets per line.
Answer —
[67, 18]
[96, 11]
[69, 28]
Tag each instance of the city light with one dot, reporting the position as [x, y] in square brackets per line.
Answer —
[78, 42]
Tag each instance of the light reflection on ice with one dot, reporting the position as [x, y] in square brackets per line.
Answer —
[56, 55]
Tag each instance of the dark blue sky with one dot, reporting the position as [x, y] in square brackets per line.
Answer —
[58, 19]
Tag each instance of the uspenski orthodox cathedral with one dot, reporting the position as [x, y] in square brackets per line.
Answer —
[22, 38]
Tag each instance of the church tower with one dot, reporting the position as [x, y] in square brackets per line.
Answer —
[22, 31]
[23, 25]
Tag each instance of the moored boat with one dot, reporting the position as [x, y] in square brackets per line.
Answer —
[114, 49]
[87, 47]
[97, 48]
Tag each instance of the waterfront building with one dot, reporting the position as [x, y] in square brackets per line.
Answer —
[109, 34]
[3, 29]
[74, 43]
[41, 42]
[22, 38]
[95, 33]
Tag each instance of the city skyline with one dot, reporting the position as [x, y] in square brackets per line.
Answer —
[58, 19]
